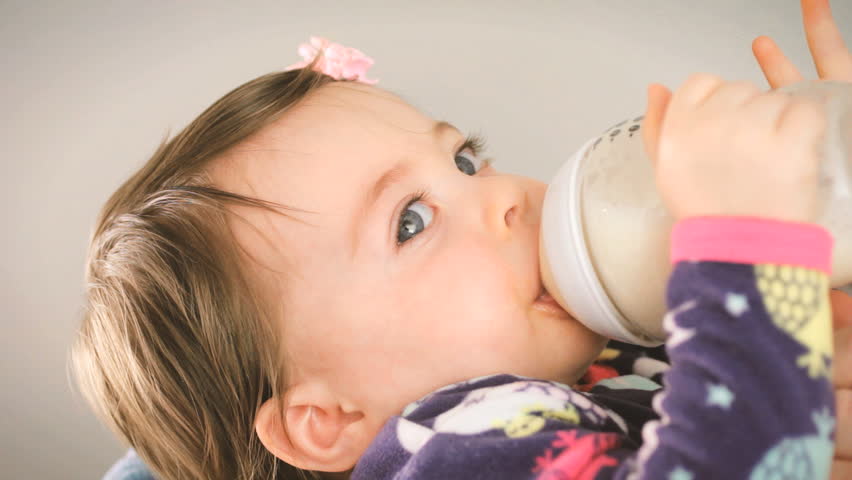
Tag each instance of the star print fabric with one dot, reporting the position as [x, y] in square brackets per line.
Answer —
[746, 374]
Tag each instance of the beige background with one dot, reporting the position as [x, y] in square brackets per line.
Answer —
[89, 89]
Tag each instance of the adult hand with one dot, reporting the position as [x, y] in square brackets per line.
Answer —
[841, 307]
[830, 55]
[833, 62]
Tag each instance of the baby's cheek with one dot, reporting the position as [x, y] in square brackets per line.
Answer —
[476, 282]
[462, 304]
[479, 292]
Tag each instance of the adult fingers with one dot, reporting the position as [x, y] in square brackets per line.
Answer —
[843, 431]
[843, 358]
[841, 309]
[831, 57]
[777, 68]
[841, 469]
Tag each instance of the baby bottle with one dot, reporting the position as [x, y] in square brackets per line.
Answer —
[604, 242]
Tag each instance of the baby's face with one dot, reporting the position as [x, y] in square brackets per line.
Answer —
[383, 299]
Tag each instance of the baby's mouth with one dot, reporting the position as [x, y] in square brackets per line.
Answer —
[546, 303]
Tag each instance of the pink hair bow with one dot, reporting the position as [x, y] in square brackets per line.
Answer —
[338, 62]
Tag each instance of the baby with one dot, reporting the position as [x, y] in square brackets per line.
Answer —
[315, 277]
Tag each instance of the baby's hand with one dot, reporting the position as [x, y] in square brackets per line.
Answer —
[724, 148]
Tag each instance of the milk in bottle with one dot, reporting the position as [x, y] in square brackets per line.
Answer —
[605, 231]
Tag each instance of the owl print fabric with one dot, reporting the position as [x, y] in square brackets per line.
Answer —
[745, 391]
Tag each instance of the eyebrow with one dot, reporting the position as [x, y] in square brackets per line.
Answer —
[390, 177]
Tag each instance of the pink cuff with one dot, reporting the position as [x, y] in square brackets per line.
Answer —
[752, 240]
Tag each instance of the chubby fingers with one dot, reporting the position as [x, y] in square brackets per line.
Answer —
[658, 101]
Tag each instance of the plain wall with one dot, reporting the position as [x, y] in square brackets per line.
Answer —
[90, 88]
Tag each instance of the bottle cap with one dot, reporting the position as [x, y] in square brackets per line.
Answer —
[566, 260]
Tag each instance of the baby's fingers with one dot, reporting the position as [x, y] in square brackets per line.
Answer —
[806, 119]
[695, 90]
[652, 124]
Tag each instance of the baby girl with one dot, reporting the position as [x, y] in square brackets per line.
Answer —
[315, 277]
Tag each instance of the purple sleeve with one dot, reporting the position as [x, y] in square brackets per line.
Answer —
[749, 383]
[749, 389]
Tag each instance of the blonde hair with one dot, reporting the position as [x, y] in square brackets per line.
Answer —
[176, 350]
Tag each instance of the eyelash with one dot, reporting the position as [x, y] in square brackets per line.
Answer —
[473, 142]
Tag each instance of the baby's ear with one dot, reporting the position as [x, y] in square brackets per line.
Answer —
[320, 434]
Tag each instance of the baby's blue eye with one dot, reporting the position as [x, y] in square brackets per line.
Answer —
[416, 217]
[468, 164]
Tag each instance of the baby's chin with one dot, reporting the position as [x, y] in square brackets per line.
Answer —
[567, 346]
